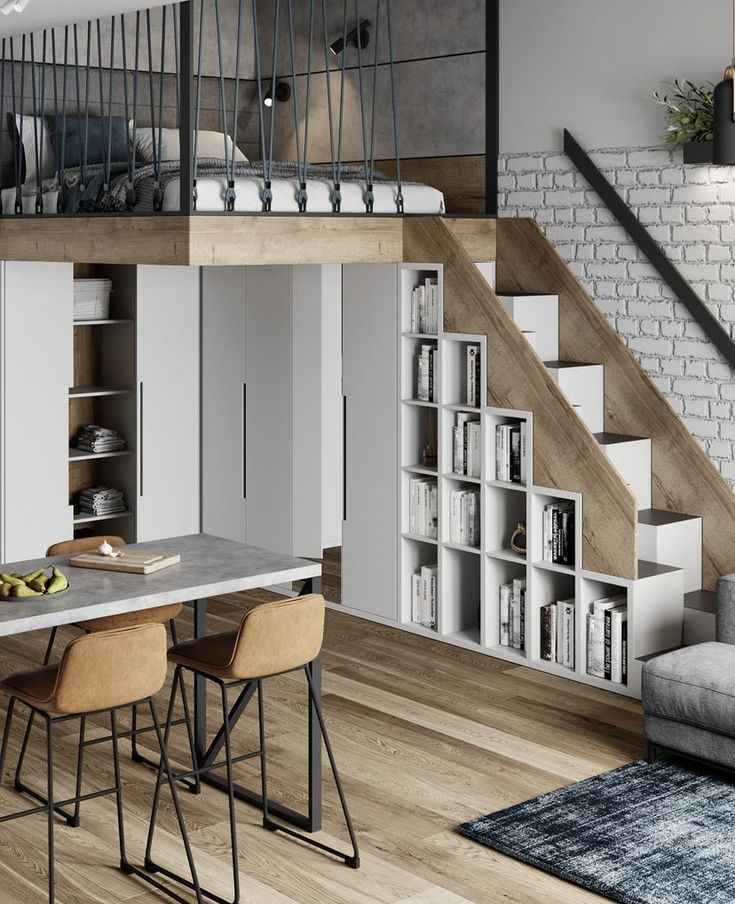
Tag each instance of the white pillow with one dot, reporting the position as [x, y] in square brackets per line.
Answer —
[210, 144]
[28, 138]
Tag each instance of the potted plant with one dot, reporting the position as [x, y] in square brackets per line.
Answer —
[689, 118]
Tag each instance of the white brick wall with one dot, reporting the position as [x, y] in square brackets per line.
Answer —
[690, 211]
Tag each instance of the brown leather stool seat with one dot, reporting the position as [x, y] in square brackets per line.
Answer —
[273, 638]
[98, 672]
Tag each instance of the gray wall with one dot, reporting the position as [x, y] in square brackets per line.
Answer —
[591, 66]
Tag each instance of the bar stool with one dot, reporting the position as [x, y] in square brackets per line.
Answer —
[98, 673]
[273, 639]
[158, 614]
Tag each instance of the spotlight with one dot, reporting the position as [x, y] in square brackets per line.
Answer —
[358, 37]
[283, 93]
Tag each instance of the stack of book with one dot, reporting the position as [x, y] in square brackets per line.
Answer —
[101, 501]
[92, 438]
[557, 632]
[464, 517]
[558, 533]
[513, 614]
[511, 452]
[425, 308]
[423, 508]
[607, 639]
[474, 375]
[423, 596]
[466, 449]
[426, 373]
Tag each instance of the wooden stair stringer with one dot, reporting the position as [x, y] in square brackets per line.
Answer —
[566, 454]
[684, 480]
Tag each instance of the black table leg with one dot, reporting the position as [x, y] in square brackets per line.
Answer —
[200, 686]
[314, 820]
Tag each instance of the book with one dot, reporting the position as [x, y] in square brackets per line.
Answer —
[474, 376]
[426, 373]
[466, 445]
[548, 632]
[599, 649]
[424, 596]
[558, 533]
[618, 616]
[506, 591]
[518, 614]
[464, 517]
[565, 632]
[425, 307]
[423, 507]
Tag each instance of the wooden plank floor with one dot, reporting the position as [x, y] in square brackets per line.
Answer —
[427, 736]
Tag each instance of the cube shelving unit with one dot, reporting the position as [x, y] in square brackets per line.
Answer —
[469, 578]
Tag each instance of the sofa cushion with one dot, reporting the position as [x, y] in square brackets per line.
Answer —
[694, 685]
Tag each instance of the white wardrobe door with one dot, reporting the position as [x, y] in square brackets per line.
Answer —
[37, 371]
[224, 507]
[369, 362]
[168, 401]
[269, 405]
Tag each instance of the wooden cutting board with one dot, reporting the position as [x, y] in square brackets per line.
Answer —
[131, 561]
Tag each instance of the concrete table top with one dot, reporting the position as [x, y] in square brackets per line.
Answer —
[210, 566]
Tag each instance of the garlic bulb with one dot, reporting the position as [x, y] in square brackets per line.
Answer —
[104, 549]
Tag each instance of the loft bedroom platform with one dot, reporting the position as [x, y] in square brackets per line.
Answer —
[227, 240]
[209, 134]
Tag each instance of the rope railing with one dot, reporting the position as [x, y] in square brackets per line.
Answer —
[89, 93]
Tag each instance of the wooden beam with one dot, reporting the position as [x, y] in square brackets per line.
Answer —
[477, 235]
[684, 478]
[566, 454]
[118, 239]
[273, 239]
[461, 179]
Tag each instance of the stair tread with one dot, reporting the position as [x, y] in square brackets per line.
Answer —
[660, 518]
[648, 569]
[611, 439]
[565, 365]
[702, 600]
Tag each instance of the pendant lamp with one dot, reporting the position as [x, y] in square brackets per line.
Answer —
[724, 113]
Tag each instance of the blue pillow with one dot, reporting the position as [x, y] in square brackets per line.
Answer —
[69, 136]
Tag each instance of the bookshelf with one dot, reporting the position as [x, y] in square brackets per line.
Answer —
[103, 393]
[469, 575]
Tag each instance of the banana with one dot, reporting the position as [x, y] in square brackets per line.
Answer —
[33, 575]
[20, 591]
[57, 583]
[5, 591]
[12, 580]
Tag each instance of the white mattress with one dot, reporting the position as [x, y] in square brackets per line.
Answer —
[418, 199]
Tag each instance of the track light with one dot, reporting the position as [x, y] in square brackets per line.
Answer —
[358, 37]
[283, 93]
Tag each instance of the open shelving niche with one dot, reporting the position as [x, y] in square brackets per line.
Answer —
[104, 393]
[469, 578]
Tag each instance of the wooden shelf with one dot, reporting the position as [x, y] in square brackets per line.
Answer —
[82, 518]
[431, 336]
[420, 469]
[475, 550]
[419, 403]
[462, 478]
[92, 392]
[507, 555]
[469, 409]
[79, 455]
[420, 539]
[508, 485]
[110, 322]
[552, 566]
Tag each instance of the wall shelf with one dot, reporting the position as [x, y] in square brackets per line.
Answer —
[81, 518]
[92, 392]
[79, 455]
[110, 322]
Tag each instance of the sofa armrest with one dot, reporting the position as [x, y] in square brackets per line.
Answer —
[726, 609]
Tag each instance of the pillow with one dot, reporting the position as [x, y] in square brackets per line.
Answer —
[211, 144]
[28, 140]
[97, 138]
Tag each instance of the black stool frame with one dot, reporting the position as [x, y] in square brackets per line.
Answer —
[51, 806]
[229, 715]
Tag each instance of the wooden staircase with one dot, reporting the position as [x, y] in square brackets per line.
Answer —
[602, 428]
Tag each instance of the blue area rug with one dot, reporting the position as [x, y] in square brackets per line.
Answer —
[661, 833]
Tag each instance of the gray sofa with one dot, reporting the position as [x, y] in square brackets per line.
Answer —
[688, 695]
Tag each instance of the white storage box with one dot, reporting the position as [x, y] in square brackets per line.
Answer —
[92, 299]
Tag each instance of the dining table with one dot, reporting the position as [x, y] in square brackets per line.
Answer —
[209, 567]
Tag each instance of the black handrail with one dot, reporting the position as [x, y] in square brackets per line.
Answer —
[650, 247]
